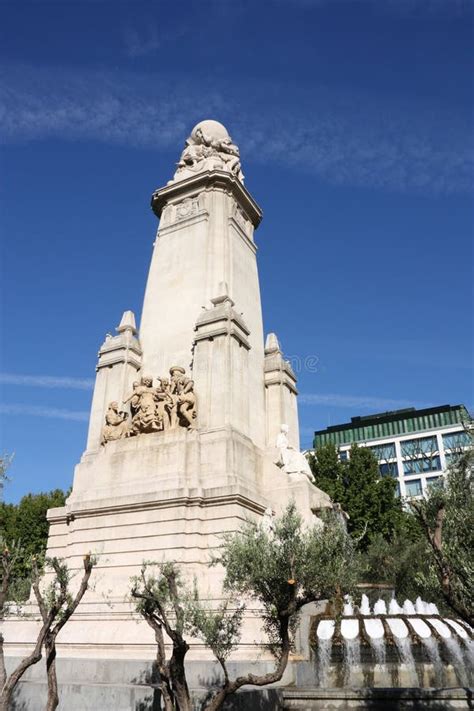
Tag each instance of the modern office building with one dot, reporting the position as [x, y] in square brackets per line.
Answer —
[414, 446]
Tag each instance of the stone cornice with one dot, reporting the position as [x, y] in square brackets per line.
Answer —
[204, 181]
[278, 371]
[66, 514]
[123, 348]
[222, 320]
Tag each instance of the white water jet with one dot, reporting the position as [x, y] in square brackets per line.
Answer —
[324, 659]
[378, 646]
[351, 661]
[398, 628]
[394, 608]
[421, 606]
[432, 649]
[456, 659]
[406, 659]
[380, 607]
[408, 608]
[468, 648]
[432, 609]
[441, 628]
[326, 629]
[364, 607]
[348, 609]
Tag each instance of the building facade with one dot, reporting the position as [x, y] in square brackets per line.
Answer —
[414, 446]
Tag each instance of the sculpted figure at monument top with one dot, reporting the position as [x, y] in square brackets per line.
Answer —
[209, 147]
[291, 460]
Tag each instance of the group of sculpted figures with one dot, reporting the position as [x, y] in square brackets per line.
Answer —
[170, 404]
[204, 151]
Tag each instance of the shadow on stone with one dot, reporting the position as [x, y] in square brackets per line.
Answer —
[17, 704]
[408, 699]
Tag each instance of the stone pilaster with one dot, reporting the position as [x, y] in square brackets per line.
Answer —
[280, 394]
[221, 366]
[120, 359]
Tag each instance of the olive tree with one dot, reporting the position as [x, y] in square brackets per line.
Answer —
[281, 568]
[56, 605]
[446, 518]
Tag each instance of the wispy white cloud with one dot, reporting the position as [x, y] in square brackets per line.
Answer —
[365, 402]
[40, 411]
[342, 138]
[46, 381]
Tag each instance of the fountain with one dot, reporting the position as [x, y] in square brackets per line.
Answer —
[404, 646]
[364, 607]
[432, 650]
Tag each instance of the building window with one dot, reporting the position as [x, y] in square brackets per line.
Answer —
[417, 447]
[384, 451]
[452, 458]
[416, 466]
[413, 488]
[388, 469]
[343, 455]
[456, 440]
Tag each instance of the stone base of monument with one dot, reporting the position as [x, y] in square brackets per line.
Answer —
[374, 698]
[124, 685]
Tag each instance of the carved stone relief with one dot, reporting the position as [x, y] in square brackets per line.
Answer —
[186, 208]
[153, 408]
[240, 217]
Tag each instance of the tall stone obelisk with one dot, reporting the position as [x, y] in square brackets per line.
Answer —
[185, 438]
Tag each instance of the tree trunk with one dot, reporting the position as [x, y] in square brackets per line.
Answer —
[3, 671]
[178, 676]
[16, 675]
[53, 696]
[230, 687]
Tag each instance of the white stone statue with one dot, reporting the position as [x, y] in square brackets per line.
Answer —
[291, 460]
[267, 524]
[209, 147]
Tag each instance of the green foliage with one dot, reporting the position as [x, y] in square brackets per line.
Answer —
[369, 499]
[25, 523]
[219, 629]
[158, 591]
[282, 565]
[446, 518]
[328, 471]
[404, 564]
[289, 567]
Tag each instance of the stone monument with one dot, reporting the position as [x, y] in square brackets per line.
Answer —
[194, 422]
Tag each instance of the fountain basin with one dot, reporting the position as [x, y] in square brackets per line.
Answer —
[440, 627]
[397, 627]
[374, 628]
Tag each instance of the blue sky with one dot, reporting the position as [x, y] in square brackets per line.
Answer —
[354, 120]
